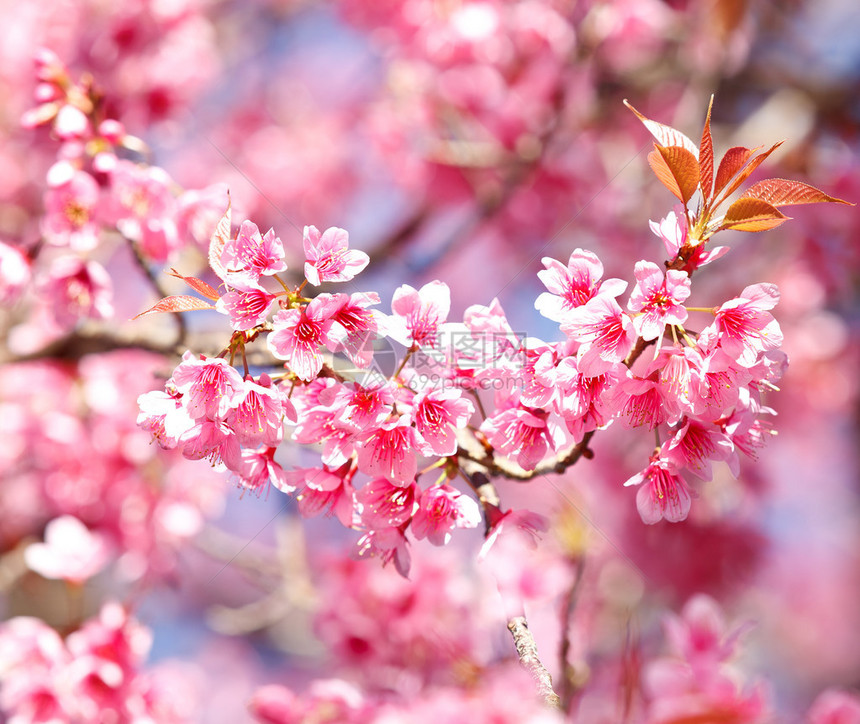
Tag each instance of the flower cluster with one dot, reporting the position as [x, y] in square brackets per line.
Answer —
[697, 385]
[95, 674]
[77, 466]
[96, 197]
[699, 680]
[704, 388]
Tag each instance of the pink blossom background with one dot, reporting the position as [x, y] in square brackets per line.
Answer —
[458, 143]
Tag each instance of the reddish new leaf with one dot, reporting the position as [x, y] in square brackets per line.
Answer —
[751, 166]
[216, 244]
[666, 135]
[677, 169]
[752, 215]
[783, 192]
[732, 162]
[198, 285]
[179, 303]
[706, 156]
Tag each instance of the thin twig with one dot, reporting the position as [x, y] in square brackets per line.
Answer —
[155, 283]
[529, 660]
[568, 682]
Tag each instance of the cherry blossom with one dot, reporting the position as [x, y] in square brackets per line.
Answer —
[662, 493]
[258, 412]
[76, 289]
[744, 328]
[442, 508]
[521, 434]
[391, 451]
[251, 255]
[660, 300]
[247, 308]
[574, 285]
[14, 273]
[329, 258]
[383, 504]
[418, 314]
[70, 551]
[607, 330]
[209, 386]
[438, 414]
[72, 205]
[297, 335]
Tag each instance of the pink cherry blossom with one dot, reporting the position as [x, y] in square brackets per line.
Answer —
[76, 289]
[247, 307]
[366, 406]
[606, 332]
[438, 414]
[298, 334]
[744, 328]
[257, 414]
[71, 206]
[391, 451]
[521, 435]
[14, 273]
[258, 468]
[165, 416]
[329, 258]
[198, 212]
[538, 375]
[701, 635]
[34, 657]
[672, 230]
[748, 432]
[323, 489]
[209, 386]
[835, 706]
[419, 313]
[356, 326]
[573, 285]
[251, 255]
[721, 381]
[212, 440]
[580, 398]
[143, 207]
[638, 401]
[661, 300]
[383, 504]
[663, 493]
[442, 508]
[387, 544]
[695, 445]
[70, 551]
[323, 425]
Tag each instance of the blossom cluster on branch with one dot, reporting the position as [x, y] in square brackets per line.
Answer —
[697, 384]
[419, 429]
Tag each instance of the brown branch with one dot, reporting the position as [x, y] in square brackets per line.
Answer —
[529, 660]
[155, 283]
[568, 682]
[75, 346]
[504, 468]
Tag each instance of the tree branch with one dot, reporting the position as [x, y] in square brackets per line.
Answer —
[529, 660]
[568, 682]
[181, 327]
